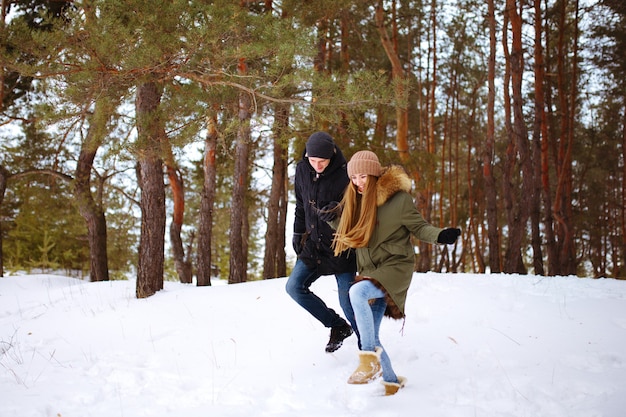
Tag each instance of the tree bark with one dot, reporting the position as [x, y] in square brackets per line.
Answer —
[562, 209]
[549, 163]
[94, 217]
[88, 208]
[425, 194]
[509, 160]
[402, 124]
[569, 255]
[150, 133]
[473, 224]
[177, 187]
[620, 267]
[4, 175]
[274, 262]
[238, 217]
[495, 260]
[518, 216]
[398, 78]
[540, 133]
[205, 229]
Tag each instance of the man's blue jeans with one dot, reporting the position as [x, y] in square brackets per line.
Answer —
[368, 318]
[302, 277]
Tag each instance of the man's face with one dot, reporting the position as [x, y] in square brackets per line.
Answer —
[319, 164]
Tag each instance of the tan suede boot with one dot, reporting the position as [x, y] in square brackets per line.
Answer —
[392, 387]
[368, 369]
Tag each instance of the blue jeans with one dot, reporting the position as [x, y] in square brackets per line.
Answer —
[368, 317]
[302, 277]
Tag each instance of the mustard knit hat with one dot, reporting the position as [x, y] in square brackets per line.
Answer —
[364, 162]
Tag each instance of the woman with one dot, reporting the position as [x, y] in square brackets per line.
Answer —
[377, 220]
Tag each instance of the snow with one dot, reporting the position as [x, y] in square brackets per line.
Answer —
[471, 345]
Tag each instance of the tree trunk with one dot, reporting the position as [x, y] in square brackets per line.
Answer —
[620, 267]
[426, 193]
[88, 208]
[569, 254]
[274, 263]
[473, 228]
[510, 202]
[398, 77]
[238, 254]
[548, 157]
[205, 229]
[4, 175]
[150, 133]
[177, 187]
[562, 209]
[518, 147]
[402, 125]
[540, 132]
[495, 261]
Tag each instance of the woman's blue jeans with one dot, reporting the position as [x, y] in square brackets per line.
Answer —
[368, 318]
[298, 284]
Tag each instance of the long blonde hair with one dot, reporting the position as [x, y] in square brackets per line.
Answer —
[358, 217]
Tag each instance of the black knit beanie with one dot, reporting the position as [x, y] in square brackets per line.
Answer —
[320, 145]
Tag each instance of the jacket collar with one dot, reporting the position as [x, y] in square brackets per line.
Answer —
[392, 180]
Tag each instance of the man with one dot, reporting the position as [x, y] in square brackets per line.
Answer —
[321, 179]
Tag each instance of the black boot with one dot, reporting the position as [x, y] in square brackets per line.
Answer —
[337, 335]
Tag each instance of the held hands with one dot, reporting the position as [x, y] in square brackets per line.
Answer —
[448, 236]
[329, 212]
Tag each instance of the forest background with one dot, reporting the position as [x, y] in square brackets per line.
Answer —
[158, 137]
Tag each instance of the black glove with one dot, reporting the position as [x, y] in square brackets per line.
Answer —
[448, 236]
[297, 243]
[329, 212]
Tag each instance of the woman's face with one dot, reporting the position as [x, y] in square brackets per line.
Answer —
[359, 181]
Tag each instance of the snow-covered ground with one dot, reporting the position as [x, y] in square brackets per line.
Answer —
[471, 345]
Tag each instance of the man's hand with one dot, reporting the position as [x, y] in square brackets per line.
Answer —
[297, 243]
[329, 212]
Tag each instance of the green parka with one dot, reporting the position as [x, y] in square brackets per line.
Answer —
[389, 258]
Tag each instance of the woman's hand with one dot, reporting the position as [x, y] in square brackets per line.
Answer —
[448, 236]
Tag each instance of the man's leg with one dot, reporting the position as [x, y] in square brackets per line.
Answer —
[344, 281]
[301, 278]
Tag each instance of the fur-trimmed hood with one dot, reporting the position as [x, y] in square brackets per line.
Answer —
[392, 180]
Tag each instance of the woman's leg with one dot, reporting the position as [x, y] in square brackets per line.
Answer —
[360, 294]
[378, 311]
[368, 318]
[369, 356]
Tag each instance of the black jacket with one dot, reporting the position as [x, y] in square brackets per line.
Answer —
[312, 194]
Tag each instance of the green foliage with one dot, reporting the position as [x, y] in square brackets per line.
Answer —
[41, 227]
[122, 232]
[47, 232]
[196, 51]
